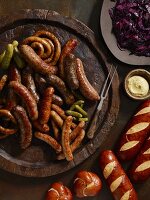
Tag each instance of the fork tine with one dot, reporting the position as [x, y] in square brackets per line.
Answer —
[110, 82]
[104, 86]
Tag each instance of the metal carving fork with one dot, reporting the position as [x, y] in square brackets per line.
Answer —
[103, 96]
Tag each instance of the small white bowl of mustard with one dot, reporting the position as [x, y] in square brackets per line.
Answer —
[137, 84]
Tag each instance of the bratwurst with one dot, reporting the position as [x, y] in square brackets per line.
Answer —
[85, 87]
[35, 61]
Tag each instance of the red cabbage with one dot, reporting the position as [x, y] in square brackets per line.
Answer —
[131, 25]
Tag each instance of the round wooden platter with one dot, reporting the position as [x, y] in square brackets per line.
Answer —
[39, 160]
[111, 42]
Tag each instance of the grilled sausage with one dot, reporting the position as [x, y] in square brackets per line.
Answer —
[35, 61]
[38, 47]
[65, 138]
[77, 130]
[116, 178]
[70, 65]
[57, 100]
[28, 81]
[50, 58]
[3, 82]
[59, 111]
[50, 37]
[56, 131]
[57, 119]
[140, 169]
[76, 143]
[40, 83]
[135, 133]
[49, 140]
[44, 128]
[6, 113]
[24, 126]
[31, 41]
[7, 131]
[45, 105]
[14, 74]
[68, 48]
[85, 87]
[59, 84]
[11, 100]
[27, 98]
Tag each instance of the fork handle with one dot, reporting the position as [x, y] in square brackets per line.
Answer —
[93, 125]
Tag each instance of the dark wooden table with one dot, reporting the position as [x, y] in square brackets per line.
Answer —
[19, 188]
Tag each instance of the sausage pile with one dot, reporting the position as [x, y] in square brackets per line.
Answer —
[40, 81]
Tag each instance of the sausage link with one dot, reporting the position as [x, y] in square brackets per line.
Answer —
[44, 128]
[3, 82]
[57, 46]
[50, 59]
[55, 130]
[8, 115]
[57, 100]
[66, 138]
[2, 136]
[140, 169]
[59, 111]
[70, 66]
[7, 131]
[35, 61]
[59, 84]
[68, 48]
[58, 116]
[11, 100]
[116, 178]
[77, 130]
[40, 83]
[14, 74]
[57, 119]
[32, 39]
[27, 98]
[74, 145]
[49, 140]
[45, 105]
[28, 82]
[24, 126]
[135, 133]
[38, 47]
[85, 87]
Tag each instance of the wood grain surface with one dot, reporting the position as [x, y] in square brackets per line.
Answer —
[38, 159]
[16, 187]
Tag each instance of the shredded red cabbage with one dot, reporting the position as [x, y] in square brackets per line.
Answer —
[131, 25]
